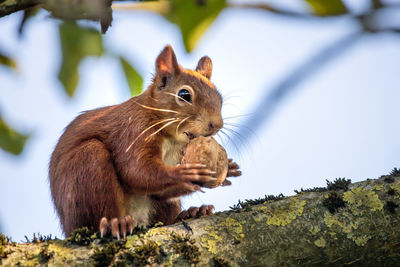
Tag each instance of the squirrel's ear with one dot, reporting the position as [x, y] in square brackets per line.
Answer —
[166, 65]
[204, 67]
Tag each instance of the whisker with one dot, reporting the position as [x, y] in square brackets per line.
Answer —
[243, 141]
[177, 96]
[239, 126]
[230, 140]
[157, 109]
[145, 130]
[238, 116]
[220, 139]
[180, 123]
[165, 125]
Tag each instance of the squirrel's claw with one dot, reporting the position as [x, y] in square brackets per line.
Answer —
[116, 226]
[194, 212]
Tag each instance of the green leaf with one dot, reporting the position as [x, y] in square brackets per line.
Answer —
[133, 78]
[193, 18]
[10, 140]
[9, 62]
[327, 7]
[76, 44]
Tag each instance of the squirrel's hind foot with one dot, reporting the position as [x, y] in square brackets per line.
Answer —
[117, 226]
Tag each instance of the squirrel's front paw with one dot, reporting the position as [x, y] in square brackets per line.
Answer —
[194, 212]
[233, 169]
[117, 226]
[194, 173]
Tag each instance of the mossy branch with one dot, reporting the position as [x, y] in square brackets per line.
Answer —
[343, 224]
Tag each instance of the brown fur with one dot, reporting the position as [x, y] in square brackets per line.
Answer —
[96, 167]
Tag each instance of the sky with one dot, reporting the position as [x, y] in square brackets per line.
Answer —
[342, 121]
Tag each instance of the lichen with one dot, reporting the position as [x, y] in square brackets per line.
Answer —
[131, 241]
[155, 231]
[59, 251]
[314, 229]
[284, 215]
[320, 242]
[211, 239]
[396, 187]
[233, 227]
[359, 197]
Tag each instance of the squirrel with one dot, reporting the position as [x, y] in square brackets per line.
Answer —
[117, 167]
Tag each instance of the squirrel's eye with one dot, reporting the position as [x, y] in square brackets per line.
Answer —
[184, 95]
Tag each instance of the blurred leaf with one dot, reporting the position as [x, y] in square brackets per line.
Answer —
[327, 7]
[28, 14]
[135, 81]
[76, 44]
[4, 60]
[10, 140]
[193, 17]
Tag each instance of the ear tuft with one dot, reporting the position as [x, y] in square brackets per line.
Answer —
[204, 67]
[166, 63]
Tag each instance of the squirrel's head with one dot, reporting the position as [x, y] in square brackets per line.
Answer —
[192, 99]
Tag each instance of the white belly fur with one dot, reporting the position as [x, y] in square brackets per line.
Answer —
[140, 209]
[140, 206]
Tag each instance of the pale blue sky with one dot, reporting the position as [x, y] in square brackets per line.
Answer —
[341, 122]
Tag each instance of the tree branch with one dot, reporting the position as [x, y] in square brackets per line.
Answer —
[362, 226]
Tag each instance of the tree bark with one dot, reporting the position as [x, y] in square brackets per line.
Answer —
[357, 226]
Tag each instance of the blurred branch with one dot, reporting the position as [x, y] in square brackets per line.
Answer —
[274, 10]
[274, 96]
[11, 6]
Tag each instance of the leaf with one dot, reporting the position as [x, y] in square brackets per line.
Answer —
[10, 140]
[4, 60]
[76, 44]
[327, 7]
[193, 18]
[133, 78]
[28, 14]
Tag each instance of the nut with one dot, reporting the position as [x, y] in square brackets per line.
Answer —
[205, 150]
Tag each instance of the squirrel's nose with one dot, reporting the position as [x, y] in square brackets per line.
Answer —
[215, 124]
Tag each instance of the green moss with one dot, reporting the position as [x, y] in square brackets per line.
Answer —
[5, 242]
[81, 236]
[220, 262]
[333, 201]
[105, 255]
[147, 253]
[338, 184]
[284, 215]
[247, 203]
[184, 245]
[395, 172]
[45, 255]
[390, 206]
[39, 238]
[308, 190]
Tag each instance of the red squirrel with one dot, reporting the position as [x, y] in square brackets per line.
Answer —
[117, 167]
